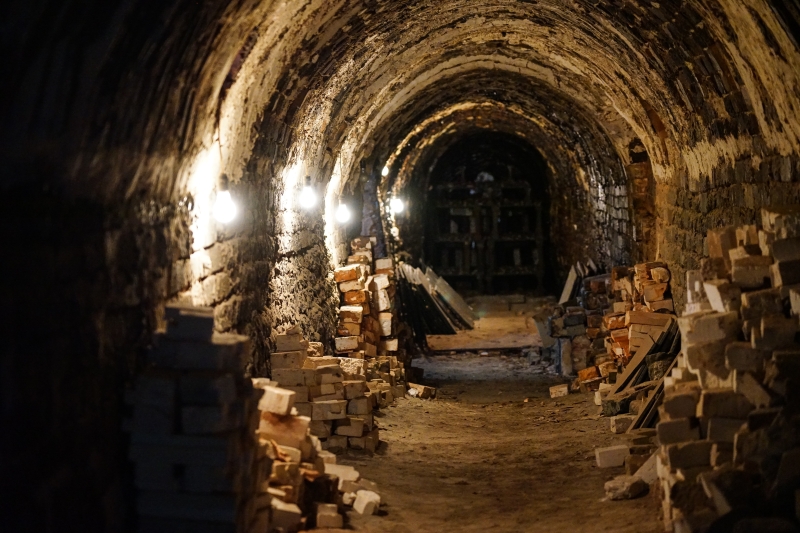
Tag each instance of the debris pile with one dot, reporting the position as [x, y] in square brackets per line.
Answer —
[336, 394]
[197, 465]
[729, 431]
[214, 450]
[614, 331]
[367, 321]
[369, 325]
[303, 487]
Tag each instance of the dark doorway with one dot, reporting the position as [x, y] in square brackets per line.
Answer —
[486, 213]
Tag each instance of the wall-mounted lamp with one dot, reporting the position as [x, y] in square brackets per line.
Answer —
[307, 198]
[342, 214]
[224, 209]
[396, 205]
[385, 171]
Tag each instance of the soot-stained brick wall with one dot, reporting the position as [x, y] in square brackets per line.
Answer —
[739, 191]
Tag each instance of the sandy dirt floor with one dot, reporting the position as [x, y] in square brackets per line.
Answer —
[500, 325]
[481, 458]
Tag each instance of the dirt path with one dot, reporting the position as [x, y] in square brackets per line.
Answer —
[479, 458]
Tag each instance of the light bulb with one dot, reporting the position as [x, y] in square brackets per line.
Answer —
[224, 207]
[385, 171]
[342, 214]
[308, 198]
[396, 205]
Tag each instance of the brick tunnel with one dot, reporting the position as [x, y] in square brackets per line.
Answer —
[232, 155]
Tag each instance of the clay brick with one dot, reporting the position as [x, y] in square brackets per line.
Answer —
[723, 429]
[620, 423]
[708, 327]
[786, 249]
[351, 426]
[681, 404]
[785, 273]
[723, 295]
[277, 401]
[756, 304]
[351, 313]
[752, 271]
[348, 273]
[346, 344]
[356, 297]
[354, 389]
[743, 357]
[776, 332]
[328, 410]
[654, 291]
[723, 404]
[326, 391]
[677, 430]
[287, 359]
[293, 377]
[611, 456]
[285, 430]
[688, 454]
[614, 321]
[367, 502]
[720, 240]
[752, 389]
[329, 374]
[359, 406]
[353, 285]
[290, 343]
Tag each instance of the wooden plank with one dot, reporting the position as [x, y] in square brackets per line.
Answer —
[453, 299]
[649, 411]
[569, 286]
[633, 366]
[426, 286]
[453, 317]
[434, 320]
[646, 317]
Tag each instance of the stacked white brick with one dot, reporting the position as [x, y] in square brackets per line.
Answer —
[297, 461]
[196, 462]
[303, 485]
[724, 423]
[335, 395]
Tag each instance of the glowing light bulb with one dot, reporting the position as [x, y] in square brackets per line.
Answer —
[224, 208]
[396, 205]
[385, 171]
[342, 214]
[308, 198]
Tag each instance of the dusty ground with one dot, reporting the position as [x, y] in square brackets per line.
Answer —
[501, 324]
[480, 458]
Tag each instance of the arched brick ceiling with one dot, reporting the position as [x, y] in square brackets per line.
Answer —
[320, 77]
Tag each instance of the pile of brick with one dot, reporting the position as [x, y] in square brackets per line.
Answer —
[336, 394]
[596, 334]
[643, 341]
[304, 487]
[368, 327]
[572, 340]
[197, 465]
[728, 430]
[367, 323]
